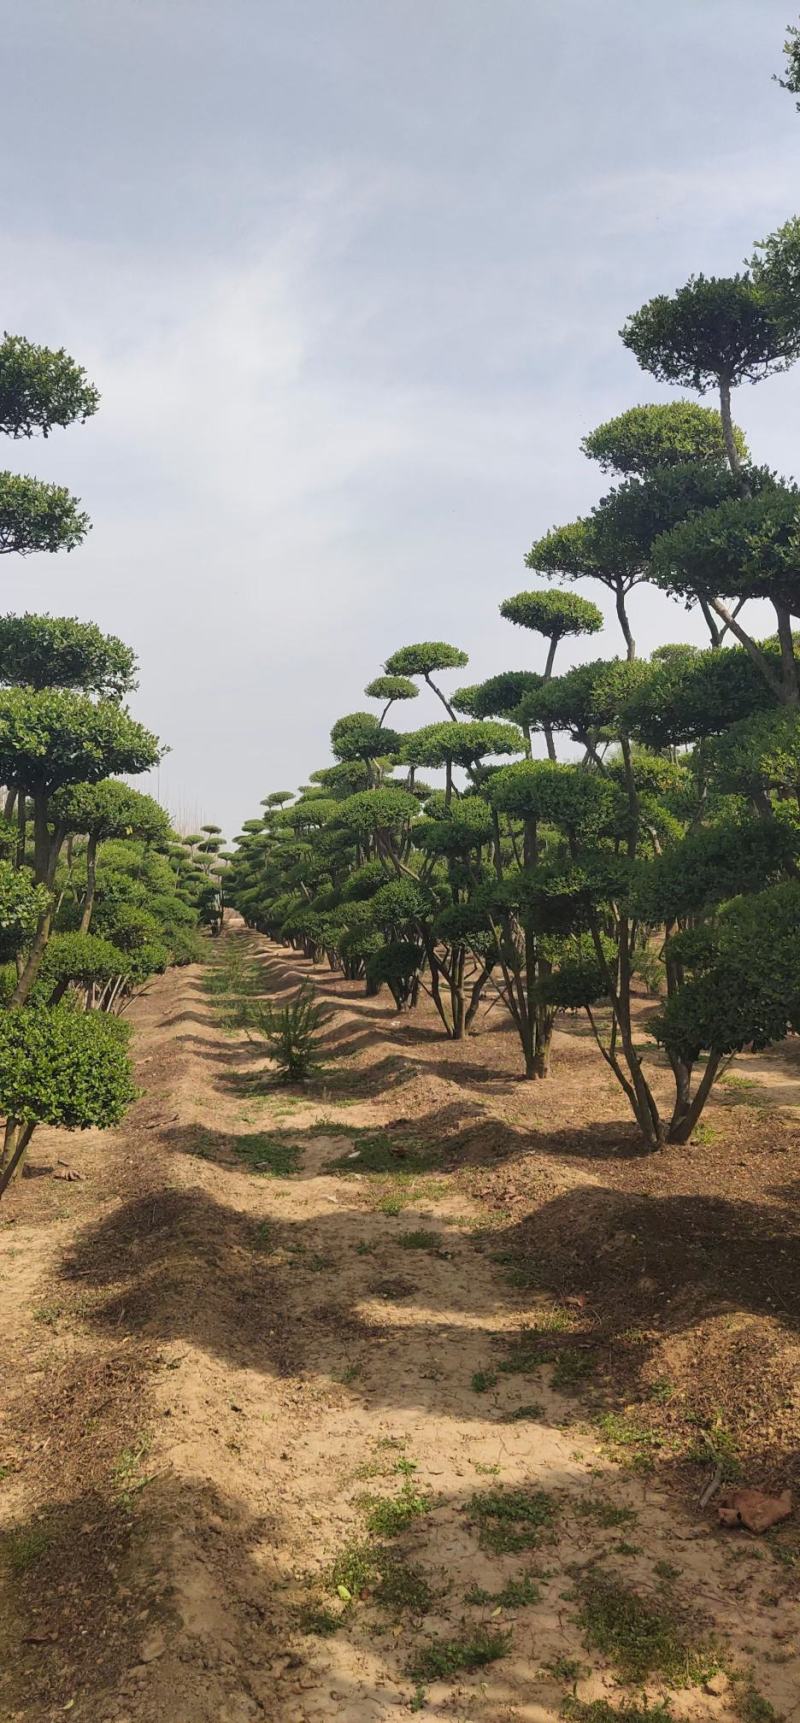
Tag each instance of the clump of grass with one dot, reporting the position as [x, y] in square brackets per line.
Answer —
[514, 1595]
[422, 1239]
[23, 1548]
[265, 1152]
[378, 1153]
[482, 1380]
[354, 1569]
[565, 1668]
[317, 1619]
[630, 1441]
[402, 1587]
[388, 1516]
[127, 1474]
[512, 1519]
[666, 1571]
[752, 1707]
[446, 1657]
[571, 1369]
[525, 1356]
[642, 1637]
[601, 1711]
[605, 1513]
[717, 1444]
[529, 1413]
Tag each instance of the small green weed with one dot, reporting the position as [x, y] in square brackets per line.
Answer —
[419, 1240]
[316, 1619]
[22, 1549]
[605, 1513]
[565, 1669]
[525, 1355]
[752, 1707]
[529, 1413]
[402, 1587]
[386, 1517]
[354, 1570]
[642, 1638]
[571, 1370]
[446, 1657]
[381, 1154]
[265, 1152]
[418, 1698]
[667, 1571]
[515, 1595]
[512, 1519]
[601, 1711]
[127, 1474]
[482, 1380]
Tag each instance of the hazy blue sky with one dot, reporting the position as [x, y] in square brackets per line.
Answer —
[349, 274]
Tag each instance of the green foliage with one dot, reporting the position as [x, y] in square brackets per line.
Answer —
[714, 327]
[644, 1639]
[49, 738]
[391, 688]
[422, 659]
[553, 614]
[41, 387]
[744, 977]
[60, 652]
[83, 957]
[60, 1067]
[444, 1658]
[498, 697]
[666, 434]
[546, 790]
[111, 809]
[21, 904]
[462, 743]
[291, 1032]
[744, 548]
[360, 736]
[377, 810]
[35, 516]
[512, 1519]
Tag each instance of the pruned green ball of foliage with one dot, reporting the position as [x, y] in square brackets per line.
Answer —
[391, 688]
[553, 614]
[35, 516]
[111, 809]
[545, 790]
[41, 387]
[55, 736]
[499, 696]
[665, 434]
[690, 696]
[461, 743]
[377, 810]
[62, 1067]
[712, 327]
[744, 548]
[360, 736]
[84, 957]
[587, 698]
[424, 658]
[744, 977]
[60, 652]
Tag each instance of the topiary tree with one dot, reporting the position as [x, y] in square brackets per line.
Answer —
[59, 1067]
[645, 439]
[554, 615]
[108, 809]
[39, 389]
[425, 658]
[579, 552]
[389, 689]
[715, 332]
[50, 739]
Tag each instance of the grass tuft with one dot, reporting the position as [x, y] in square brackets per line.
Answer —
[512, 1519]
[446, 1657]
[644, 1638]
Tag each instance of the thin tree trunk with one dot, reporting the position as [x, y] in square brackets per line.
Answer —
[548, 672]
[622, 618]
[91, 884]
[791, 694]
[734, 458]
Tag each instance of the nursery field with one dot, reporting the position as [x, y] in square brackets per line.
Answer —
[399, 1390]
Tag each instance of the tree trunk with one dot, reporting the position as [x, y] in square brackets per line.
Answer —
[622, 618]
[91, 884]
[734, 459]
[15, 1145]
[791, 694]
[548, 672]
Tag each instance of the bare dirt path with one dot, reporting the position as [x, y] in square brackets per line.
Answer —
[278, 1438]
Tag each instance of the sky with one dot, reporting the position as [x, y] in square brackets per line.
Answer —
[349, 276]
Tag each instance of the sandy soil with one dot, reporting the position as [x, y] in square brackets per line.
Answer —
[209, 1365]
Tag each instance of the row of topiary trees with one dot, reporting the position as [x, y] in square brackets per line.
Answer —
[96, 892]
[647, 830]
